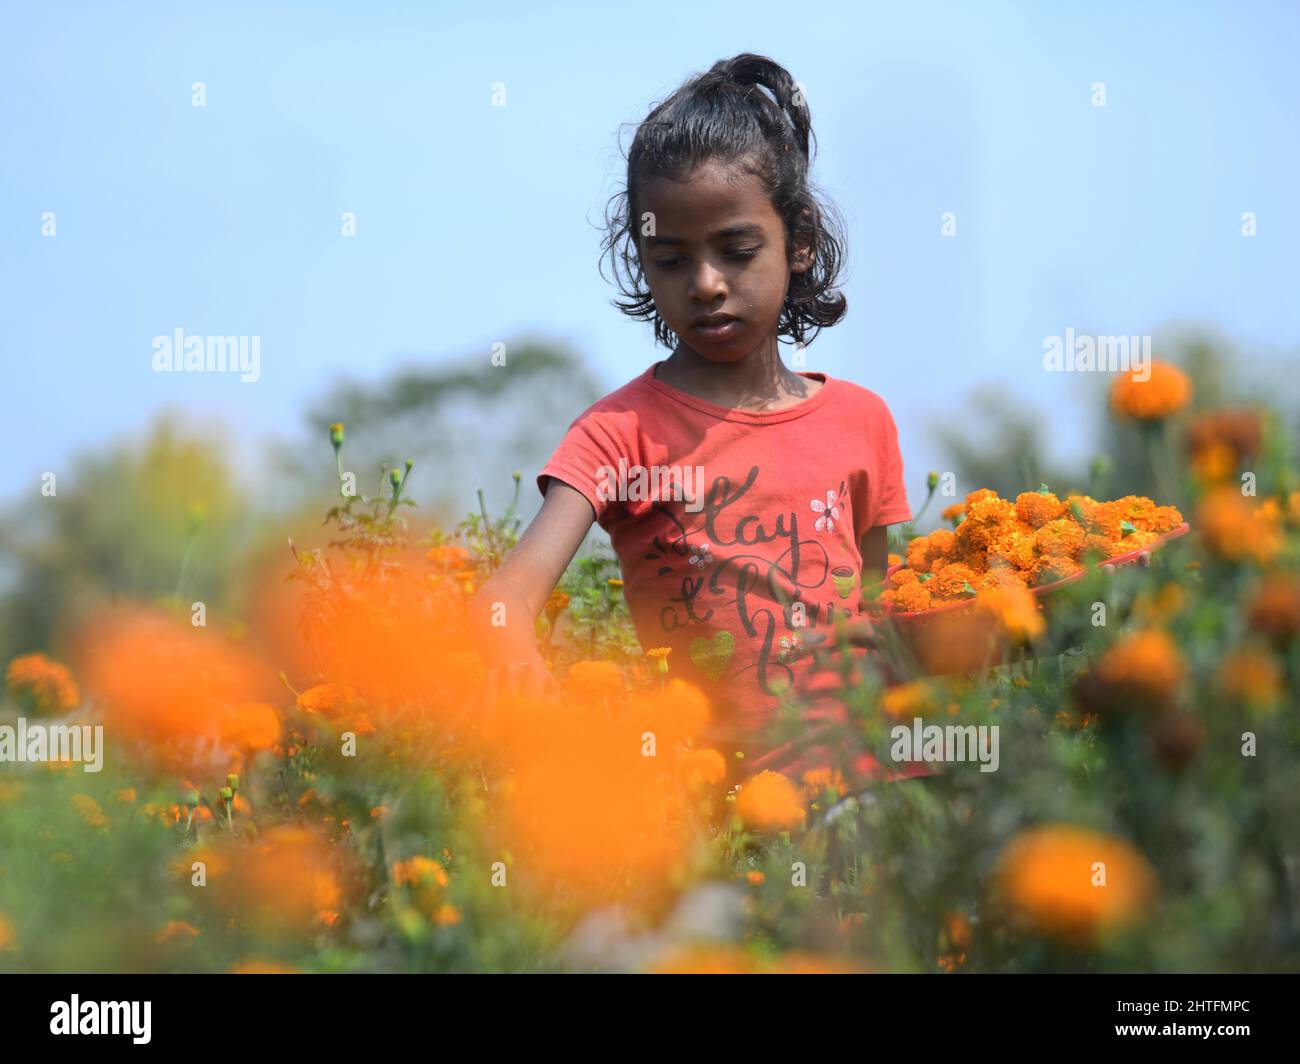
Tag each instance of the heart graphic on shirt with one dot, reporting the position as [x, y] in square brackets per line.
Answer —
[711, 656]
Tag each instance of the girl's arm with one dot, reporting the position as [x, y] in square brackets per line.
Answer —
[518, 591]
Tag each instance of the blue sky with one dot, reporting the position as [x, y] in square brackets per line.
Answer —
[476, 223]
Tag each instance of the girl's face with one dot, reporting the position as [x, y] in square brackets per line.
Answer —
[718, 253]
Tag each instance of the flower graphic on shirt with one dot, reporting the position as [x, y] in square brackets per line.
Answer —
[701, 555]
[791, 648]
[828, 511]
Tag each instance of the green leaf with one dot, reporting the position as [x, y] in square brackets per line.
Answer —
[1127, 527]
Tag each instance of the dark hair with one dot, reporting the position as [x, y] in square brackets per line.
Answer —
[724, 114]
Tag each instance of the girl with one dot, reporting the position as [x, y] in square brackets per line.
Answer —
[747, 503]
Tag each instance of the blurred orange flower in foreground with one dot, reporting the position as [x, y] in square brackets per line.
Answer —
[187, 697]
[47, 684]
[1073, 883]
[599, 792]
[1141, 670]
[1235, 528]
[770, 802]
[1251, 676]
[1166, 391]
[1274, 609]
[284, 882]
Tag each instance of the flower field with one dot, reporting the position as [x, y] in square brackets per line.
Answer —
[322, 785]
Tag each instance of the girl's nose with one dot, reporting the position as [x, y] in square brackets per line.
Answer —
[707, 283]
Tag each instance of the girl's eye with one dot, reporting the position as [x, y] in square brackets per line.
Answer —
[735, 253]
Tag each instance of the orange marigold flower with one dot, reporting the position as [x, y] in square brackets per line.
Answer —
[817, 781]
[419, 872]
[450, 557]
[327, 699]
[1252, 676]
[1060, 538]
[1143, 668]
[754, 878]
[702, 767]
[679, 711]
[912, 597]
[8, 938]
[594, 680]
[1164, 392]
[951, 513]
[446, 915]
[955, 580]
[557, 601]
[940, 543]
[1234, 529]
[1036, 508]
[255, 967]
[1274, 609]
[1219, 440]
[47, 684]
[1015, 610]
[124, 796]
[281, 884]
[706, 960]
[1052, 568]
[906, 700]
[175, 930]
[1073, 883]
[769, 802]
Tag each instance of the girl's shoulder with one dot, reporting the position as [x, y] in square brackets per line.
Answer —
[866, 400]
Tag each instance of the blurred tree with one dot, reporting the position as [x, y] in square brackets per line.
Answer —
[158, 520]
[467, 424]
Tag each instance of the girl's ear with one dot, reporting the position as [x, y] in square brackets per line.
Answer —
[803, 259]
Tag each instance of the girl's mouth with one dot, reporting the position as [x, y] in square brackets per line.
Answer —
[721, 331]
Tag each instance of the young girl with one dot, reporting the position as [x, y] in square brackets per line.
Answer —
[747, 503]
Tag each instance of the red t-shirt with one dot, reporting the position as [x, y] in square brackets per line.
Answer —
[738, 531]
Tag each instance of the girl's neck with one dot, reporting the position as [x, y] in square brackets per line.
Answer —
[759, 381]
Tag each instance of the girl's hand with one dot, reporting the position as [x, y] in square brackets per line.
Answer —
[529, 679]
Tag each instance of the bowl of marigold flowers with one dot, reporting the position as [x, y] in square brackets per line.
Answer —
[1036, 541]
